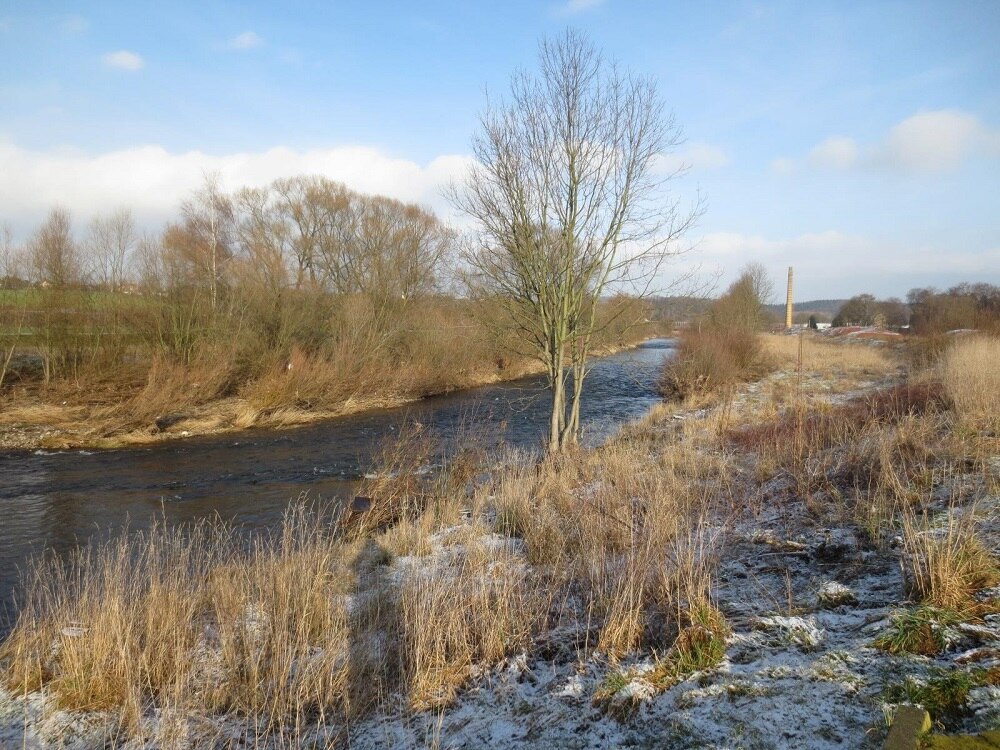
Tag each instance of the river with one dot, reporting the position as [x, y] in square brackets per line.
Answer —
[59, 500]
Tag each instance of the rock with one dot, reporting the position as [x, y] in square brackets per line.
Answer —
[909, 723]
[836, 547]
[799, 631]
[169, 420]
[833, 594]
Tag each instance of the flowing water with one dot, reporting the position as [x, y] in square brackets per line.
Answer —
[58, 500]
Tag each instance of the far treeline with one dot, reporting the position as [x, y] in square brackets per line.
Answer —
[927, 311]
[300, 294]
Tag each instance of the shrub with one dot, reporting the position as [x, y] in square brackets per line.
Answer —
[711, 359]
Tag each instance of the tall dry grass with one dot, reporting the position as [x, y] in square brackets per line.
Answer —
[946, 563]
[621, 532]
[970, 371]
[329, 618]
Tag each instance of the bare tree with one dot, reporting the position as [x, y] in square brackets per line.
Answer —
[10, 257]
[348, 242]
[110, 242]
[55, 259]
[203, 241]
[311, 204]
[743, 306]
[265, 237]
[568, 198]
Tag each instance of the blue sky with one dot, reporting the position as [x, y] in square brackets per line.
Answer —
[859, 142]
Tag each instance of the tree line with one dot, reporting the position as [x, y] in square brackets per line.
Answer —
[927, 311]
[299, 293]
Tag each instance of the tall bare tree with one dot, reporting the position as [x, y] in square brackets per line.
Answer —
[55, 258]
[10, 257]
[110, 242]
[203, 241]
[568, 197]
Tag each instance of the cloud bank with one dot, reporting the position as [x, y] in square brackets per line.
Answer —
[153, 181]
[827, 263]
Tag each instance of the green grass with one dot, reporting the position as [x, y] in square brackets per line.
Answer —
[944, 692]
[921, 630]
[701, 645]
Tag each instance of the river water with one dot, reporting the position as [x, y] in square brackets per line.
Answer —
[59, 500]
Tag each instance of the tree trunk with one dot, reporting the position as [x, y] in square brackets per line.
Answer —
[558, 413]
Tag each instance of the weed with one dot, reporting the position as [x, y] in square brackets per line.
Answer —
[944, 692]
[945, 566]
[920, 630]
[700, 645]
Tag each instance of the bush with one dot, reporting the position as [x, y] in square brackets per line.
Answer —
[711, 359]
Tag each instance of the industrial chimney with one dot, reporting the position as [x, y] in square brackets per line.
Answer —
[788, 302]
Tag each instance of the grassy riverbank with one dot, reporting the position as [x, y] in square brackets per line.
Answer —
[179, 402]
[776, 566]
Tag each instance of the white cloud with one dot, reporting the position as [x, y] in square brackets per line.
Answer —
[695, 156]
[124, 60]
[927, 142]
[837, 152]
[573, 7]
[246, 40]
[153, 181]
[934, 141]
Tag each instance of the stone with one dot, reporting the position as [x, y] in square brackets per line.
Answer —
[908, 725]
[168, 420]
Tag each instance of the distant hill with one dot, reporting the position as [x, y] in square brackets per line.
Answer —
[816, 307]
[678, 308]
[686, 308]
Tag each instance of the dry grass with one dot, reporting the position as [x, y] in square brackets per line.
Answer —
[456, 616]
[620, 530]
[970, 371]
[817, 354]
[328, 620]
[946, 564]
[47, 414]
[189, 618]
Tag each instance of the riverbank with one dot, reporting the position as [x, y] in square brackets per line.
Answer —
[781, 567]
[79, 421]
